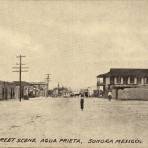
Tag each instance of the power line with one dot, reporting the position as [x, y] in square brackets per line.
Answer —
[20, 69]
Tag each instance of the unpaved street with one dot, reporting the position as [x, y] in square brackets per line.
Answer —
[61, 118]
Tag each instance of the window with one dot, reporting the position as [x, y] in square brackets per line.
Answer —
[101, 80]
[131, 79]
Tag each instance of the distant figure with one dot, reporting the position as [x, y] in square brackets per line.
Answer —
[82, 102]
[109, 95]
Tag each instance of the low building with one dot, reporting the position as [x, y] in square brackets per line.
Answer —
[11, 90]
[7, 90]
[119, 79]
[39, 89]
[88, 92]
[25, 87]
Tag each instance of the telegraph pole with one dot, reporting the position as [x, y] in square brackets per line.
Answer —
[48, 79]
[20, 69]
[58, 88]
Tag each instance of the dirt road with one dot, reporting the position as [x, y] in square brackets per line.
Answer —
[48, 120]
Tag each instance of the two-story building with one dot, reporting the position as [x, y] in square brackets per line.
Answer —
[118, 78]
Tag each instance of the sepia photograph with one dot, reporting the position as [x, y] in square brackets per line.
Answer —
[74, 73]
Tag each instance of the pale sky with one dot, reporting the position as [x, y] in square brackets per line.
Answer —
[73, 40]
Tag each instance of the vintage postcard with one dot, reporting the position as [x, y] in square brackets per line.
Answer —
[74, 73]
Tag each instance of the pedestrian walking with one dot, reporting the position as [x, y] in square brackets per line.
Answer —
[109, 95]
[82, 102]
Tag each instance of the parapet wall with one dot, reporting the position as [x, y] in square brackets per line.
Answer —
[132, 93]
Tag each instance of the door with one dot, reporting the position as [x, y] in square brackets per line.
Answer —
[125, 80]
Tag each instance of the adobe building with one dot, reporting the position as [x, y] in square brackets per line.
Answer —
[11, 90]
[7, 90]
[31, 89]
[124, 83]
[25, 87]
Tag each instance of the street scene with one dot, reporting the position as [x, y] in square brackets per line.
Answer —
[74, 74]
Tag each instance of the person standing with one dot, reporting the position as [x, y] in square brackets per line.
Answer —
[82, 102]
[109, 95]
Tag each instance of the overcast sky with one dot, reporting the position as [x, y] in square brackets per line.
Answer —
[73, 40]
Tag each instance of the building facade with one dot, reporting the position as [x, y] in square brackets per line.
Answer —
[117, 79]
[38, 89]
[7, 90]
[11, 90]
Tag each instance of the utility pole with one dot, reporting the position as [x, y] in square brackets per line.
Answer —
[58, 88]
[20, 69]
[48, 79]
